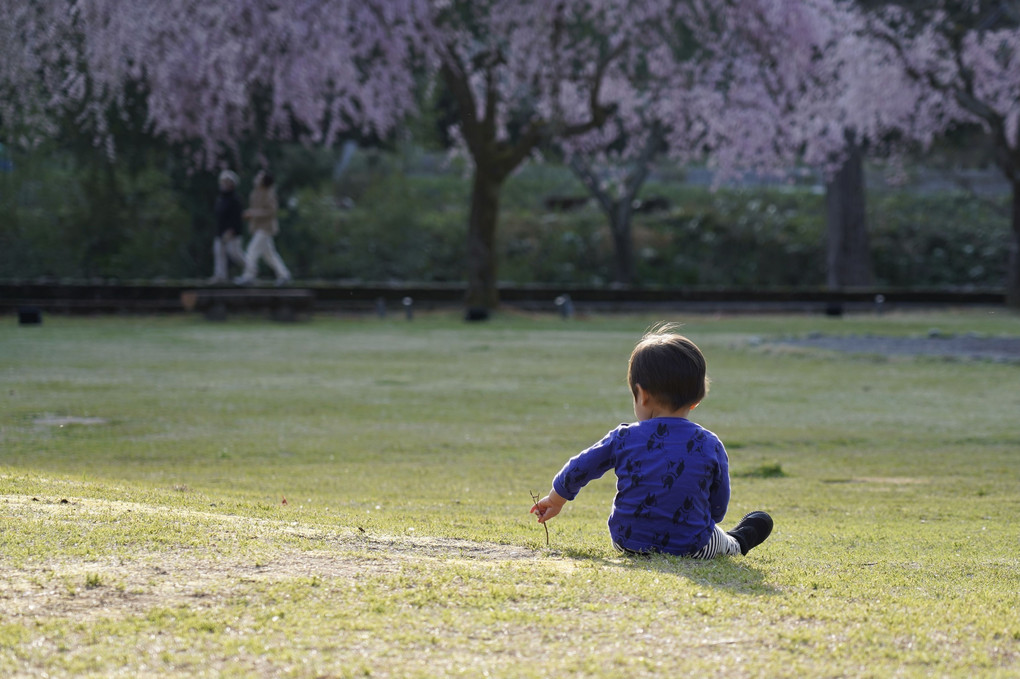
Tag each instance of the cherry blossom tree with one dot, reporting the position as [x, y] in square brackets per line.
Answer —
[526, 75]
[662, 118]
[827, 99]
[705, 95]
[615, 184]
[33, 45]
[784, 84]
[969, 52]
[522, 74]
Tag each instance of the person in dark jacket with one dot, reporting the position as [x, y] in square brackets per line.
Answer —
[229, 225]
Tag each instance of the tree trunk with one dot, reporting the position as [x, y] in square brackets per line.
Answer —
[620, 210]
[482, 292]
[1013, 268]
[495, 160]
[622, 241]
[848, 250]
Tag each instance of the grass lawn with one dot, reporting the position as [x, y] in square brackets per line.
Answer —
[349, 497]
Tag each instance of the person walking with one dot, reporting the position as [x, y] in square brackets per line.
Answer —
[263, 225]
[227, 244]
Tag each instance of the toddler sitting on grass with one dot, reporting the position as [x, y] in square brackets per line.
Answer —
[672, 475]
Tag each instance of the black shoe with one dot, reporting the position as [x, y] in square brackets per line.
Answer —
[752, 530]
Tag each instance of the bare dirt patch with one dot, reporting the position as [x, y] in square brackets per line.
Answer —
[133, 584]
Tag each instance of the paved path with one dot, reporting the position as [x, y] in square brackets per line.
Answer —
[963, 346]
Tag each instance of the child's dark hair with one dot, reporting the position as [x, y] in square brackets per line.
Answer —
[669, 367]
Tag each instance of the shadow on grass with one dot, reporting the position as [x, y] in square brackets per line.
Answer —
[733, 574]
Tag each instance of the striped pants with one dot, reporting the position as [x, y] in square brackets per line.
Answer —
[721, 543]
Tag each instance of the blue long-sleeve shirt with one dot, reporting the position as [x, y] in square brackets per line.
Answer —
[672, 483]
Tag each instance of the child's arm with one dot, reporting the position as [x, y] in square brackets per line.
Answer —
[586, 466]
[549, 506]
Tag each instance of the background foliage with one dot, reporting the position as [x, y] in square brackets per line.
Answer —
[401, 215]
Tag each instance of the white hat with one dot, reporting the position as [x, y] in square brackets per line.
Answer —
[229, 176]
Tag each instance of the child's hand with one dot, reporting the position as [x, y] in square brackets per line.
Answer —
[549, 506]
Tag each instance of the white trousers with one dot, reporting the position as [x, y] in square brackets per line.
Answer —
[261, 246]
[224, 248]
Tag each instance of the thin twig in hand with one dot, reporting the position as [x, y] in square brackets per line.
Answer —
[535, 497]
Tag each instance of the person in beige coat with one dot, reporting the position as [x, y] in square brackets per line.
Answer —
[262, 223]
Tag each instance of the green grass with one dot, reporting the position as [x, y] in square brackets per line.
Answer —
[144, 463]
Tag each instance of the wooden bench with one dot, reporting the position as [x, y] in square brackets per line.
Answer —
[282, 304]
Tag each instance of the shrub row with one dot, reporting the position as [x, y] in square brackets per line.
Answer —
[380, 222]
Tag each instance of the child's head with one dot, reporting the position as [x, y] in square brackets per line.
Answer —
[669, 367]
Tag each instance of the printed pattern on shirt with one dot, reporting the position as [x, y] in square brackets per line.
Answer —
[672, 483]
